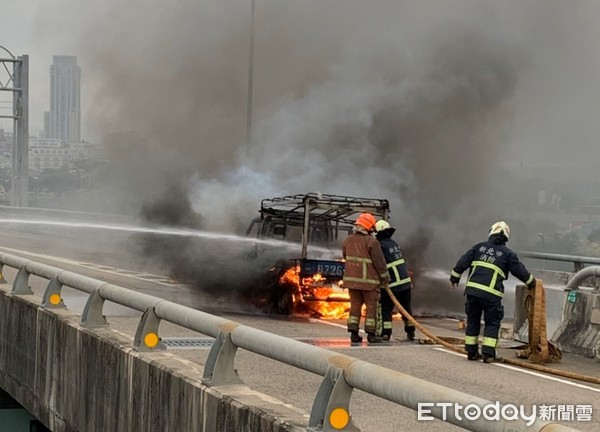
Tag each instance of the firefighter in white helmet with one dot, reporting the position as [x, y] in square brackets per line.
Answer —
[489, 264]
[400, 282]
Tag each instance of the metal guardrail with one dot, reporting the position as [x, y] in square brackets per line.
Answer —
[578, 261]
[342, 374]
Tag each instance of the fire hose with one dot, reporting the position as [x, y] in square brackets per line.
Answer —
[540, 350]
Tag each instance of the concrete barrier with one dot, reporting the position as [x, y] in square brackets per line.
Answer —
[579, 332]
[50, 365]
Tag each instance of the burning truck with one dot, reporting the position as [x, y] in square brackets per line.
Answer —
[312, 282]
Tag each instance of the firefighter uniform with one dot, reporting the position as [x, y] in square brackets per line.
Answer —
[489, 264]
[364, 274]
[400, 284]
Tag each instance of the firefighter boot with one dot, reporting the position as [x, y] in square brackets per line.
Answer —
[491, 359]
[410, 335]
[355, 337]
[474, 356]
[373, 338]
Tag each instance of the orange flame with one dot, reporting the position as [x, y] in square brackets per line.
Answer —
[292, 275]
[316, 295]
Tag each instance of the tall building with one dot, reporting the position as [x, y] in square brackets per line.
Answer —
[65, 107]
[46, 131]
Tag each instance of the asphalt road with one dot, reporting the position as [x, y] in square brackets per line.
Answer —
[111, 259]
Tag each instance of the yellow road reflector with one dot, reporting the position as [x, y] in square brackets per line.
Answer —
[55, 299]
[151, 340]
[339, 418]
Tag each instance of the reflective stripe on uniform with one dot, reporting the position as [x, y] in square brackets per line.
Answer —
[471, 340]
[488, 288]
[400, 282]
[387, 325]
[529, 280]
[370, 322]
[485, 288]
[454, 274]
[394, 267]
[364, 262]
[490, 342]
[369, 281]
[488, 265]
[358, 259]
[353, 319]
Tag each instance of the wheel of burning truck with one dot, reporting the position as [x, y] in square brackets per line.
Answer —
[285, 305]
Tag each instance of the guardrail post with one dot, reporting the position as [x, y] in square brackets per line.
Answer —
[331, 408]
[92, 312]
[146, 335]
[219, 369]
[21, 283]
[52, 298]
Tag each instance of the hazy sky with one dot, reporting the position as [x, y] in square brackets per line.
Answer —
[556, 99]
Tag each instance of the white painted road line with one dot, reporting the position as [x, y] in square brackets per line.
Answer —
[525, 371]
[313, 320]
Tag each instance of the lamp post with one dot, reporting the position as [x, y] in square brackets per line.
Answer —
[541, 236]
[249, 104]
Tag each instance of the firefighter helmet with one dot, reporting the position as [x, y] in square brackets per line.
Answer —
[382, 225]
[500, 228]
[366, 220]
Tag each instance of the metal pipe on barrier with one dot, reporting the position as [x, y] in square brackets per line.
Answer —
[192, 319]
[582, 275]
[295, 353]
[560, 257]
[79, 282]
[125, 297]
[42, 270]
[13, 260]
[410, 391]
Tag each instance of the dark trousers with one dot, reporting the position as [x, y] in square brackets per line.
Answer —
[357, 299]
[493, 312]
[387, 309]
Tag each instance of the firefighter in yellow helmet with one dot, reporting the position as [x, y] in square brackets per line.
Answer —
[400, 283]
[364, 274]
[489, 264]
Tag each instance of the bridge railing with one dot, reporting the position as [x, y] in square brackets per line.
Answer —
[578, 261]
[341, 373]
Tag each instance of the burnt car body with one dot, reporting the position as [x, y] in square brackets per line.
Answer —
[318, 223]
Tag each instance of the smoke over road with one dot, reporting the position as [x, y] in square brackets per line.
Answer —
[413, 102]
